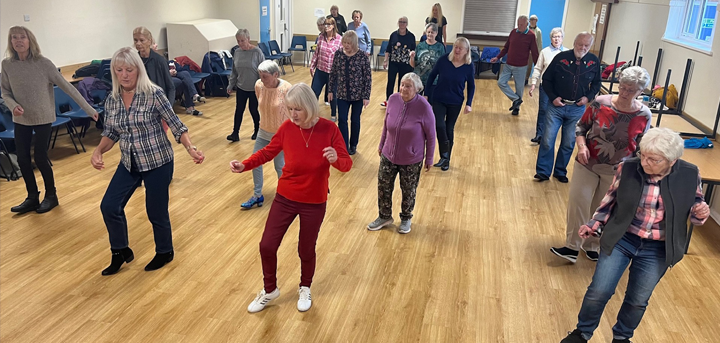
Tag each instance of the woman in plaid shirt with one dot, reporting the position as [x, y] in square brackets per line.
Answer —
[133, 113]
[642, 222]
[322, 61]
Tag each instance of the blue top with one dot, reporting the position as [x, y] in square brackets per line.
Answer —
[451, 81]
[363, 34]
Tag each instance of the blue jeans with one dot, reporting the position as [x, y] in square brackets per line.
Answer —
[183, 83]
[518, 73]
[257, 173]
[320, 80]
[565, 117]
[121, 188]
[351, 140]
[542, 105]
[647, 268]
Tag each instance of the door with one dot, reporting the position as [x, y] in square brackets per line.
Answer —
[282, 23]
[600, 20]
[264, 21]
[551, 14]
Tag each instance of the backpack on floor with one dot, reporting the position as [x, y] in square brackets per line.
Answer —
[9, 167]
[215, 84]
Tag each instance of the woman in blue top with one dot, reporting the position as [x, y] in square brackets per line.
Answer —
[452, 71]
[426, 54]
[362, 30]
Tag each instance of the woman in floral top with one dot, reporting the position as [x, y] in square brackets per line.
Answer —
[607, 133]
[423, 59]
[401, 43]
[350, 77]
[322, 61]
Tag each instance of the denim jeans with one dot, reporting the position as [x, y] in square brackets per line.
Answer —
[121, 188]
[542, 106]
[647, 268]
[351, 139]
[518, 73]
[183, 84]
[257, 173]
[319, 81]
[565, 117]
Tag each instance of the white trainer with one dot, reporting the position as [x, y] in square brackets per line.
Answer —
[304, 299]
[378, 224]
[262, 299]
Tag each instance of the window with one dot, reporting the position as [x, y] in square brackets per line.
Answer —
[490, 17]
[691, 23]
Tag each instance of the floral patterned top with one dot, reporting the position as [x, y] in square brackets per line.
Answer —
[399, 47]
[426, 56]
[611, 135]
[351, 75]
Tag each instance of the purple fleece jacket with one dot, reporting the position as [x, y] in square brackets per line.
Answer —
[409, 131]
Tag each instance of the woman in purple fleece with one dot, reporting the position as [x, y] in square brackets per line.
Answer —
[407, 143]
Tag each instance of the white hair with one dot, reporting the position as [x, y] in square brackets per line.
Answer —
[636, 76]
[585, 34]
[523, 16]
[415, 79]
[269, 66]
[242, 33]
[557, 30]
[664, 142]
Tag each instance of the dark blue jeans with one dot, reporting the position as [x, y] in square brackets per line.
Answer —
[343, 109]
[121, 188]
[647, 266]
[565, 117]
[183, 84]
[542, 105]
[320, 80]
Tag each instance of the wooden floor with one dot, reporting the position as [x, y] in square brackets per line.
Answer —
[475, 268]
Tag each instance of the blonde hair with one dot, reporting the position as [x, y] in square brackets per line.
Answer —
[128, 56]
[439, 15]
[465, 42]
[145, 32]
[302, 96]
[33, 49]
[352, 38]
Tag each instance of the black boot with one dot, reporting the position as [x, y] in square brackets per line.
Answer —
[233, 137]
[118, 258]
[159, 261]
[48, 203]
[30, 204]
[444, 148]
[446, 166]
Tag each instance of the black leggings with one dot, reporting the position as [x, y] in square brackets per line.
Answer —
[445, 117]
[396, 70]
[241, 98]
[23, 142]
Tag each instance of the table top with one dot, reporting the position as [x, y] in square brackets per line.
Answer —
[67, 74]
[707, 160]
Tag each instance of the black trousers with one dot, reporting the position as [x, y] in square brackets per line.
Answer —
[242, 98]
[23, 143]
[396, 70]
[446, 116]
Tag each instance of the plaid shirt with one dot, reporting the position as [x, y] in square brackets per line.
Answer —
[325, 53]
[140, 130]
[650, 211]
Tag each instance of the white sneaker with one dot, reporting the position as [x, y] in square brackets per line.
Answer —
[304, 299]
[404, 226]
[327, 103]
[378, 224]
[262, 299]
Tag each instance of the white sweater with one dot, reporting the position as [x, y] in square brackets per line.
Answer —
[546, 56]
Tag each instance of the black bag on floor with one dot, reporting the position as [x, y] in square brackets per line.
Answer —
[9, 168]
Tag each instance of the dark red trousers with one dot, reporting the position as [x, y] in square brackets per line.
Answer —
[282, 214]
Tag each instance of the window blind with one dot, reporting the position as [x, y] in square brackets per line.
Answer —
[490, 17]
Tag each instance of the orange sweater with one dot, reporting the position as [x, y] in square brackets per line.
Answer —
[271, 104]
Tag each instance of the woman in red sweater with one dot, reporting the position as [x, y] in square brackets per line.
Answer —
[311, 145]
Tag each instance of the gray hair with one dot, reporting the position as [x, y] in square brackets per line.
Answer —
[406, 19]
[664, 142]
[321, 21]
[523, 16]
[585, 34]
[636, 76]
[432, 26]
[269, 67]
[242, 33]
[557, 30]
[415, 79]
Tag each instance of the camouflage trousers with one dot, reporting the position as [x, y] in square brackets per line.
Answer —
[409, 179]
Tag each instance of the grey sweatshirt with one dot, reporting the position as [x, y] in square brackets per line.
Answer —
[29, 84]
[245, 69]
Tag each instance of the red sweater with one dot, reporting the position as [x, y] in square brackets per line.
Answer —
[518, 47]
[305, 175]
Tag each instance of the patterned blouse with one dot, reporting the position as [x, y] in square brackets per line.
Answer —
[140, 130]
[325, 52]
[611, 135]
[352, 76]
[426, 56]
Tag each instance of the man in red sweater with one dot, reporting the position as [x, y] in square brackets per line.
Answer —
[518, 48]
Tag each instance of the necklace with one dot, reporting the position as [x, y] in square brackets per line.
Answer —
[307, 142]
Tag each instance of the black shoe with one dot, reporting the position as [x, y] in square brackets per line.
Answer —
[48, 204]
[541, 177]
[574, 337]
[441, 162]
[515, 105]
[444, 148]
[537, 139]
[159, 261]
[352, 150]
[626, 340]
[592, 256]
[233, 137]
[566, 253]
[254, 136]
[445, 166]
[118, 258]
[561, 178]
[516, 111]
[30, 204]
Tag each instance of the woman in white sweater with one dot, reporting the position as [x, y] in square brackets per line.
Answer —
[27, 87]
[546, 56]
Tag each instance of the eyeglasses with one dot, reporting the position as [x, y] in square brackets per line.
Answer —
[556, 36]
[652, 160]
[628, 90]
[402, 22]
[328, 24]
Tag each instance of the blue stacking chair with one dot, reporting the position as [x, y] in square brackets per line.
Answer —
[299, 43]
[448, 48]
[381, 53]
[268, 56]
[275, 50]
[67, 111]
[7, 135]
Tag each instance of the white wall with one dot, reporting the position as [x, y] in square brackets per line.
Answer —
[245, 14]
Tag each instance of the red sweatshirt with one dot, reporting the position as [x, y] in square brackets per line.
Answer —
[305, 175]
[519, 47]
